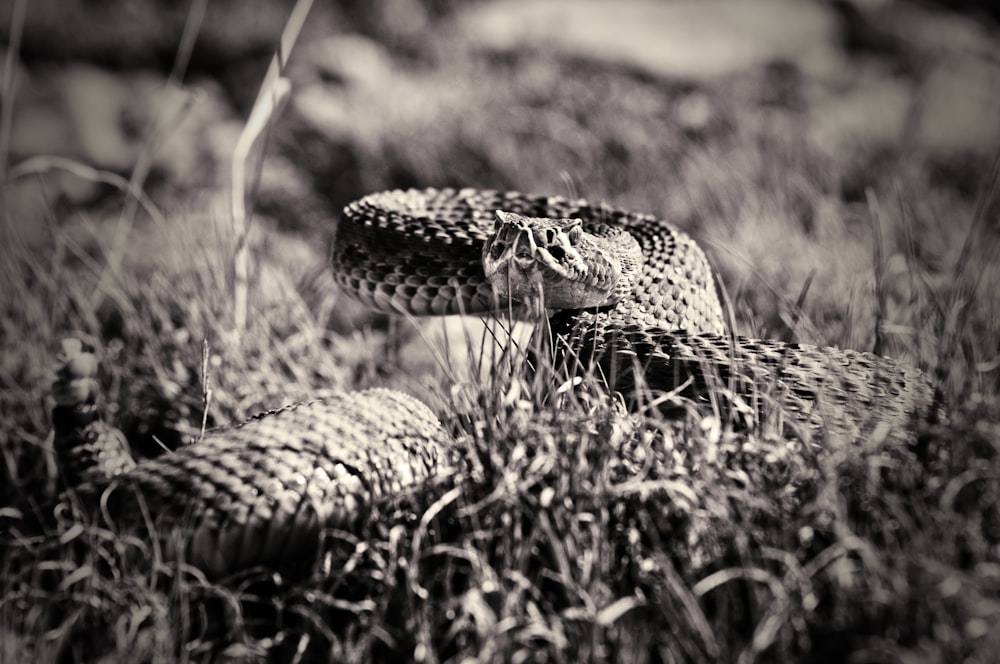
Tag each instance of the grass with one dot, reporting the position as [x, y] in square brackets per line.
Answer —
[698, 543]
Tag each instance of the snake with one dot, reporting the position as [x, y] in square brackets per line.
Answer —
[625, 296]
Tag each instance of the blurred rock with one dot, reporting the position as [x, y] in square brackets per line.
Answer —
[694, 111]
[40, 127]
[938, 33]
[953, 109]
[33, 200]
[109, 121]
[101, 112]
[345, 59]
[147, 34]
[193, 130]
[683, 39]
[874, 111]
[286, 194]
[400, 21]
[958, 107]
[357, 122]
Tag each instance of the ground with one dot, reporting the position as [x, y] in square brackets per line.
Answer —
[838, 162]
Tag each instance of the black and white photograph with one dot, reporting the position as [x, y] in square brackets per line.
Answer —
[456, 331]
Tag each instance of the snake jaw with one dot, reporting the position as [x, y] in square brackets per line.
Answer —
[528, 258]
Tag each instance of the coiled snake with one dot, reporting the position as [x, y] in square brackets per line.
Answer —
[636, 300]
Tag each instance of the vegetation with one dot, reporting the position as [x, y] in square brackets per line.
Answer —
[584, 534]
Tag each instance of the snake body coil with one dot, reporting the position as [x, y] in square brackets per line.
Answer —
[263, 490]
[259, 492]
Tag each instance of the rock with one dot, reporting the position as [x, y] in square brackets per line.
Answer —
[954, 108]
[346, 59]
[100, 109]
[40, 127]
[873, 111]
[958, 107]
[105, 120]
[147, 34]
[194, 130]
[687, 39]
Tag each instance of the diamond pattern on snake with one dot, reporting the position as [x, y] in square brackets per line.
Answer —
[630, 298]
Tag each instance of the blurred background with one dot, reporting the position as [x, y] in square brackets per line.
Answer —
[772, 130]
[837, 160]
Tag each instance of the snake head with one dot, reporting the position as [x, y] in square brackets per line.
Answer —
[556, 260]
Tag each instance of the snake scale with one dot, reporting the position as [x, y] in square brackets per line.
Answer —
[631, 297]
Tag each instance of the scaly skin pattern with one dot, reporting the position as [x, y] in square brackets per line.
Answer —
[820, 393]
[667, 335]
[258, 492]
[263, 491]
[420, 251]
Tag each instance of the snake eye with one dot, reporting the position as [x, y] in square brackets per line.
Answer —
[575, 233]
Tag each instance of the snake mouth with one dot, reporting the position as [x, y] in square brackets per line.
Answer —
[535, 258]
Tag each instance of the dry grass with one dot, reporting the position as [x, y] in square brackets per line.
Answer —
[582, 535]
